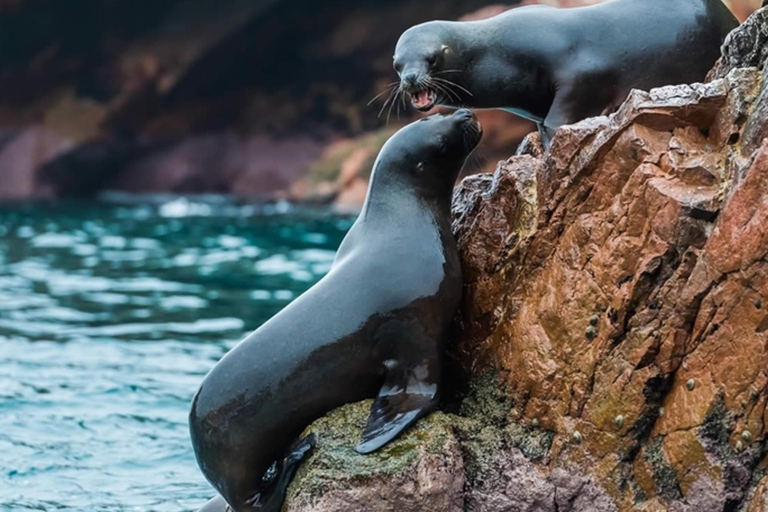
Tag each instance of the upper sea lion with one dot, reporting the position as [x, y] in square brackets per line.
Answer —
[559, 66]
[374, 325]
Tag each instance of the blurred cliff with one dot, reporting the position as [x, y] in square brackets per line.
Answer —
[252, 98]
[226, 96]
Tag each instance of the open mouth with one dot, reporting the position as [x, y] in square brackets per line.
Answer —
[424, 99]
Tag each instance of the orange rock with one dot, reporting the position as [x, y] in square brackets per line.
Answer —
[759, 500]
[618, 281]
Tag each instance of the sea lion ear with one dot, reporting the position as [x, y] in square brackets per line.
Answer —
[444, 48]
[420, 167]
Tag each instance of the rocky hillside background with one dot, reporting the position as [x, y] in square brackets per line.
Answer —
[255, 98]
[222, 96]
[612, 348]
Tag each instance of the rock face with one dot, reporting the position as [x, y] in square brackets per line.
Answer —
[614, 331]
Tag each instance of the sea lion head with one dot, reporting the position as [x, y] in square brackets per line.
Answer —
[428, 63]
[430, 152]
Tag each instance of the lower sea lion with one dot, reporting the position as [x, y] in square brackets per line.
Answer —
[559, 66]
[375, 324]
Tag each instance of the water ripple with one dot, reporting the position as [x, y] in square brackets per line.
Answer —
[110, 315]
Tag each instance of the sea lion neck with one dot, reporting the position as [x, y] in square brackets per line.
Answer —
[394, 191]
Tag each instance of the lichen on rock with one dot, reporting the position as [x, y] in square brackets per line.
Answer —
[422, 470]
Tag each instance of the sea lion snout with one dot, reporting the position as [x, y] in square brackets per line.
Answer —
[418, 86]
[471, 127]
[410, 79]
[464, 114]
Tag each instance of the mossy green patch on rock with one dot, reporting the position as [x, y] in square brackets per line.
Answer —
[336, 465]
[664, 475]
[487, 400]
[480, 445]
[534, 443]
[447, 447]
[718, 426]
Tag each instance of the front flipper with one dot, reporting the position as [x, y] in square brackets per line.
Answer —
[407, 395]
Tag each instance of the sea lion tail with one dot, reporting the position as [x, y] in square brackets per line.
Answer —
[272, 498]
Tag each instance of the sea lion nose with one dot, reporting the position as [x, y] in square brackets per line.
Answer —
[464, 114]
[411, 78]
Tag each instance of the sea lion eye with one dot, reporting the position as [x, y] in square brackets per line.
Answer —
[432, 59]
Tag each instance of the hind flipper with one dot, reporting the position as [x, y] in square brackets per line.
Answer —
[217, 504]
[408, 393]
[271, 500]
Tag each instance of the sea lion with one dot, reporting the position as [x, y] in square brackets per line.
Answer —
[559, 66]
[375, 324]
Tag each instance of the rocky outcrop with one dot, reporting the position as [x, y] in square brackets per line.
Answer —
[614, 331]
[421, 471]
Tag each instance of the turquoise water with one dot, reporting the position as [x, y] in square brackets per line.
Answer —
[110, 316]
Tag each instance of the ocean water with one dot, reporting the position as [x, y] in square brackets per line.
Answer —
[110, 316]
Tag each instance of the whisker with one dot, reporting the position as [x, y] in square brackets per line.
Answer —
[447, 71]
[389, 89]
[448, 82]
[447, 87]
[480, 158]
[389, 99]
[444, 89]
[437, 84]
[392, 104]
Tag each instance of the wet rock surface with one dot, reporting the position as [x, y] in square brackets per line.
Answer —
[614, 331]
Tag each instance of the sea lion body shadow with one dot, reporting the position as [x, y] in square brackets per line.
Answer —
[374, 324]
[559, 66]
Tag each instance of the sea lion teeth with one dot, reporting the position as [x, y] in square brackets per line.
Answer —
[424, 99]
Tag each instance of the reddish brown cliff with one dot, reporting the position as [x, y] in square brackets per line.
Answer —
[614, 332]
[617, 285]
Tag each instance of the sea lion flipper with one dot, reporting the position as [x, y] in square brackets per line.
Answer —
[217, 504]
[271, 499]
[406, 396]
